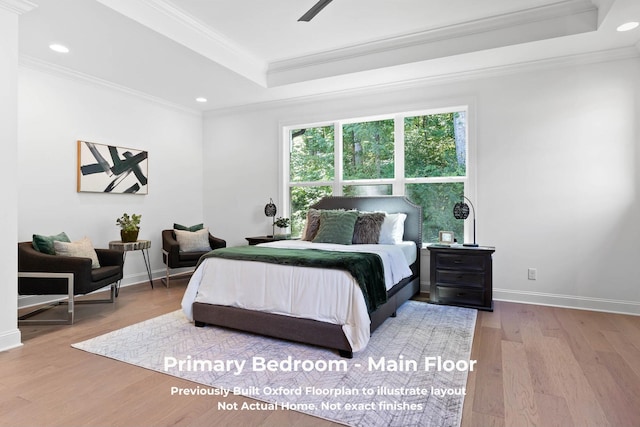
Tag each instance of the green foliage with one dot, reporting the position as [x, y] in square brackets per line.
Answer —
[430, 146]
[367, 190]
[129, 223]
[312, 155]
[281, 222]
[437, 201]
[368, 150]
[301, 199]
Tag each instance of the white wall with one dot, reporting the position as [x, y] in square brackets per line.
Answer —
[55, 112]
[557, 173]
[9, 332]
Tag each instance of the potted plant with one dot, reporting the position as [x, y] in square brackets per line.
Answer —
[129, 227]
[282, 223]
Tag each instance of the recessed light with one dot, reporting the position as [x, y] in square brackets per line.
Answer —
[59, 48]
[201, 99]
[628, 26]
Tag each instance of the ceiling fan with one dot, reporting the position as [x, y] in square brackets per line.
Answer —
[314, 10]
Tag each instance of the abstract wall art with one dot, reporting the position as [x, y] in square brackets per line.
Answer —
[110, 169]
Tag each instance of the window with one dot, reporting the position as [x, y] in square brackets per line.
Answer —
[423, 156]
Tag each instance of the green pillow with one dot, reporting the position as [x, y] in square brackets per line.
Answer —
[196, 227]
[336, 227]
[44, 244]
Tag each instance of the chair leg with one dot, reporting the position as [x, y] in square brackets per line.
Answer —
[71, 301]
[165, 280]
[24, 319]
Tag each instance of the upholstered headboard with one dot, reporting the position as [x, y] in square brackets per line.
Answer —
[390, 204]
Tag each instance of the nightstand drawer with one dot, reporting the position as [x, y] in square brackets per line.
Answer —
[460, 278]
[459, 296]
[461, 262]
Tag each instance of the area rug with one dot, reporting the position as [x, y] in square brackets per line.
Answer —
[413, 372]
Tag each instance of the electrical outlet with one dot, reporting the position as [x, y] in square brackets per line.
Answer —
[533, 273]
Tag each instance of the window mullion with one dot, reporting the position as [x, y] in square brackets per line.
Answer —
[398, 155]
[338, 161]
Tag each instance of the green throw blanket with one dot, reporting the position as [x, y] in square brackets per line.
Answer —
[366, 268]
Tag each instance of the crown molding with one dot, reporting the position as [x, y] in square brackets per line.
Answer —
[17, 6]
[30, 62]
[543, 22]
[617, 54]
[171, 21]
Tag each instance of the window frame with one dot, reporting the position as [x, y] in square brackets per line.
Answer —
[399, 181]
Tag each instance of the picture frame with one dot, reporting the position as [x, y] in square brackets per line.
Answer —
[446, 238]
[111, 169]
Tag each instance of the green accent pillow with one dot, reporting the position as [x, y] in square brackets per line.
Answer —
[336, 227]
[44, 244]
[196, 227]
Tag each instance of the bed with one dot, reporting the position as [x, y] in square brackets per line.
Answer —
[237, 298]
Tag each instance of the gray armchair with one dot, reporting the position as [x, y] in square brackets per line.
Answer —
[44, 274]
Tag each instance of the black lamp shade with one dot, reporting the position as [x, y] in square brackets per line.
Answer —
[461, 210]
[270, 209]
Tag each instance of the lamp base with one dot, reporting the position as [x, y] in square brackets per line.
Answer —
[471, 245]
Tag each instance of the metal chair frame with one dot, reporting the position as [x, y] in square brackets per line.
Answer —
[70, 302]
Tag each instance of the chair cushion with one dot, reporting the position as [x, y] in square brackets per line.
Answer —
[81, 248]
[193, 241]
[191, 256]
[102, 273]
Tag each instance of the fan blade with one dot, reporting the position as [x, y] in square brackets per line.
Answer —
[314, 10]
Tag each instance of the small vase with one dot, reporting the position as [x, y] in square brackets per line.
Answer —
[282, 235]
[128, 236]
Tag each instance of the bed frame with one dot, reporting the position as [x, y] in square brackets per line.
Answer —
[316, 332]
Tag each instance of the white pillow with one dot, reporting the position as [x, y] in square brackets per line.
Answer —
[81, 248]
[193, 241]
[392, 230]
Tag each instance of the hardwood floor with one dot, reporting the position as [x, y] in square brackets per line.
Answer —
[537, 366]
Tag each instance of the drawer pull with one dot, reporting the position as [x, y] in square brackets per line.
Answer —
[457, 261]
[460, 294]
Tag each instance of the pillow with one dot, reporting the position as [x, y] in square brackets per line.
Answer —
[392, 230]
[312, 225]
[81, 248]
[193, 241]
[185, 228]
[336, 227]
[44, 244]
[367, 227]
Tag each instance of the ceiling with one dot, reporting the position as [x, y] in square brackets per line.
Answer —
[236, 53]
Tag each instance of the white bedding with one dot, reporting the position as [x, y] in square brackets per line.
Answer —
[327, 295]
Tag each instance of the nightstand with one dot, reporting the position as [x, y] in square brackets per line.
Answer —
[462, 276]
[260, 239]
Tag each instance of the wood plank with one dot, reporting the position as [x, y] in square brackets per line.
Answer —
[549, 325]
[510, 322]
[488, 396]
[553, 411]
[582, 401]
[519, 401]
[539, 358]
[626, 349]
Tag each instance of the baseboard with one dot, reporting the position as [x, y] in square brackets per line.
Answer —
[10, 339]
[568, 301]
